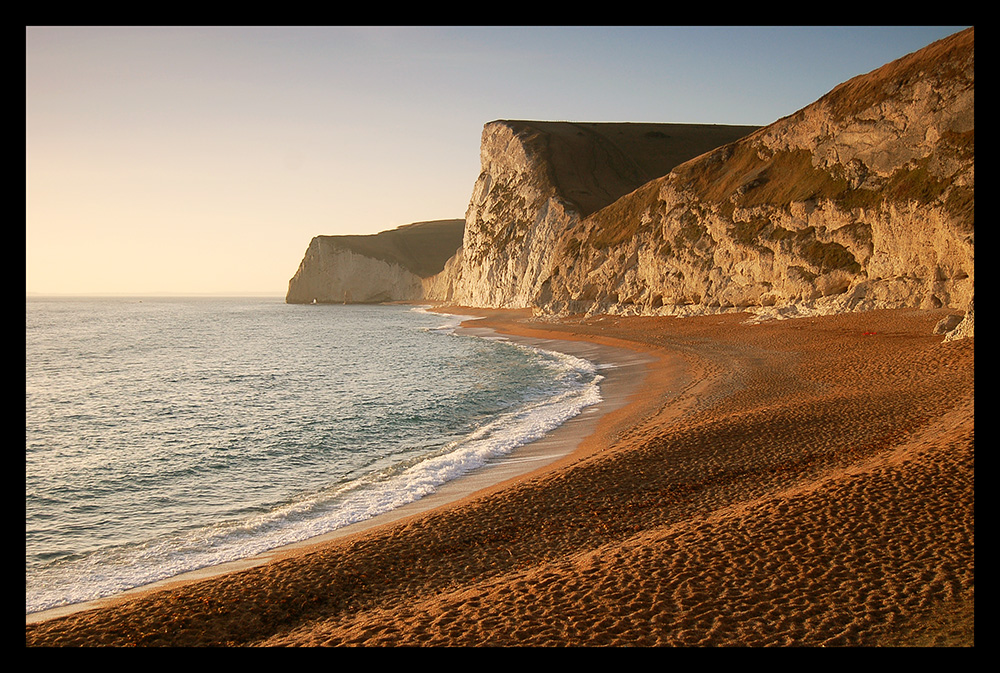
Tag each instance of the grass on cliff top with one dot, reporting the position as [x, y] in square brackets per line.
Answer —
[620, 221]
[948, 57]
[423, 248]
[740, 175]
[744, 176]
[756, 176]
[779, 179]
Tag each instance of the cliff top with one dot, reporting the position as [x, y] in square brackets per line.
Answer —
[751, 175]
[421, 247]
[594, 163]
[942, 60]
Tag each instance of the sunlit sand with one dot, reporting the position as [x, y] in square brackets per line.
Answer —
[796, 482]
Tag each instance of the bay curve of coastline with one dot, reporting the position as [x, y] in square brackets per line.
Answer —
[621, 369]
[804, 482]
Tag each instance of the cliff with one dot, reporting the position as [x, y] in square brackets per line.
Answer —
[862, 200]
[389, 266]
[539, 179]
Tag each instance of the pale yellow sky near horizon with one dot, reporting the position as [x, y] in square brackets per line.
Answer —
[202, 160]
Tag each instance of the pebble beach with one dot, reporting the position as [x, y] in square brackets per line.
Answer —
[803, 482]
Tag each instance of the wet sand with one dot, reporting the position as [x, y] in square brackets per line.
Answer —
[803, 482]
[622, 371]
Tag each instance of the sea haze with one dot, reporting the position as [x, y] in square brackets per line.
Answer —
[165, 435]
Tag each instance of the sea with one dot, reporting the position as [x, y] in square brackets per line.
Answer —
[165, 435]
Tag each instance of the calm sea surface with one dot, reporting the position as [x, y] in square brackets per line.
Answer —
[165, 435]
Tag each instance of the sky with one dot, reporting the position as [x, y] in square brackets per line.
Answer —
[202, 160]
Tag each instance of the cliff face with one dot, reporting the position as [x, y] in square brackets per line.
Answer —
[861, 200]
[539, 179]
[393, 265]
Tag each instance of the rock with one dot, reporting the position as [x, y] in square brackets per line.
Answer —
[862, 200]
[539, 179]
[947, 324]
[964, 329]
[393, 265]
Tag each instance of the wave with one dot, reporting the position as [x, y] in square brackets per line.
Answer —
[573, 385]
[452, 321]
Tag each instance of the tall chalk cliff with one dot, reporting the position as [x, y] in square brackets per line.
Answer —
[539, 179]
[862, 200]
[392, 265]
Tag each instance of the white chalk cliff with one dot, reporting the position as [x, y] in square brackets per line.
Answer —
[862, 200]
[393, 265]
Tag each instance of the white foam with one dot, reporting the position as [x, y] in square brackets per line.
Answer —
[575, 387]
[451, 321]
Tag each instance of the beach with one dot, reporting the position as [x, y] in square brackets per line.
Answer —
[805, 482]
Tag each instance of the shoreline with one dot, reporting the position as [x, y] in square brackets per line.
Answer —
[623, 370]
[804, 482]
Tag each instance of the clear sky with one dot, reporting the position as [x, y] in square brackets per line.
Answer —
[204, 159]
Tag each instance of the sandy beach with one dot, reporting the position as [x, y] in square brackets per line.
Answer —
[805, 482]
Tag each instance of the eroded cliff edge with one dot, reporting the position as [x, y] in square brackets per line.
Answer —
[539, 180]
[863, 200]
[392, 265]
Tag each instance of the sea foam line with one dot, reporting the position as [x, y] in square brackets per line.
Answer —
[452, 320]
[120, 569]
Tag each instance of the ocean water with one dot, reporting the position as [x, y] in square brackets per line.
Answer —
[165, 435]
